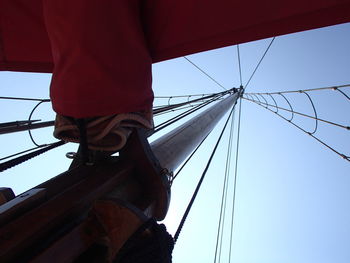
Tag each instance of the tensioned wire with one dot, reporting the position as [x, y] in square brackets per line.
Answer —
[258, 65]
[314, 89]
[345, 157]
[24, 155]
[239, 66]
[184, 114]
[221, 224]
[193, 198]
[205, 73]
[300, 113]
[235, 179]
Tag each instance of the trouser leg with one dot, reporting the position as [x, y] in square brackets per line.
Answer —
[102, 64]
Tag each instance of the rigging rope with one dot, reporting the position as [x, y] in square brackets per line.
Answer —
[299, 113]
[183, 115]
[257, 66]
[24, 99]
[221, 224]
[235, 177]
[309, 133]
[188, 159]
[239, 66]
[188, 102]
[189, 206]
[19, 153]
[183, 96]
[163, 109]
[29, 125]
[305, 91]
[205, 73]
[336, 88]
[176, 109]
[16, 161]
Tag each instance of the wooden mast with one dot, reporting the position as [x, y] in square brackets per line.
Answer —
[173, 148]
[57, 209]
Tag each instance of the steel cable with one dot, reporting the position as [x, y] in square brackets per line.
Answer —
[234, 196]
[206, 74]
[189, 206]
[16, 161]
[239, 66]
[262, 58]
[182, 115]
[221, 224]
[314, 89]
[345, 157]
[298, 113]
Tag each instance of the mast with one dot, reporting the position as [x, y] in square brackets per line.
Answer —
[136, 178]
[173, 148]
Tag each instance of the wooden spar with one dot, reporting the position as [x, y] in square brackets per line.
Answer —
[26, 127]
[173, 148]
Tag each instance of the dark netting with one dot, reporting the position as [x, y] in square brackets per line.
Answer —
[151, 243]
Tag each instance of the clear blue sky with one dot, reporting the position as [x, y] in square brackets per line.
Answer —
[292, 193]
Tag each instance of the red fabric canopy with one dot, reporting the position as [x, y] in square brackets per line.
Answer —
[173, 28]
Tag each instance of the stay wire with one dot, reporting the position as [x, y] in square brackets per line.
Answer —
[189, 206]
[160, 109]
[262, 58]
[188, 159]
[22, 152]
[239, 65]
[228, 171]
[221, 224]
[205, 73]
[182, 96]
[25, 99]
[345, 157]
[179, 117]
[182, 115]
[235, 178]
[169, 107]
[29, 122]
[166, 111]
[336, 88]
[176, 109]
[173, 106]
[16, 161]
[299, 113]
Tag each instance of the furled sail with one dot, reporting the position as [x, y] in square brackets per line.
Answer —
[172, 28]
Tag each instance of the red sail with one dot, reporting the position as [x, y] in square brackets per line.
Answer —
[173, 28]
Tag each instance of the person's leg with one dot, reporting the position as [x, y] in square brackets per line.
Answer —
[102, 64]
